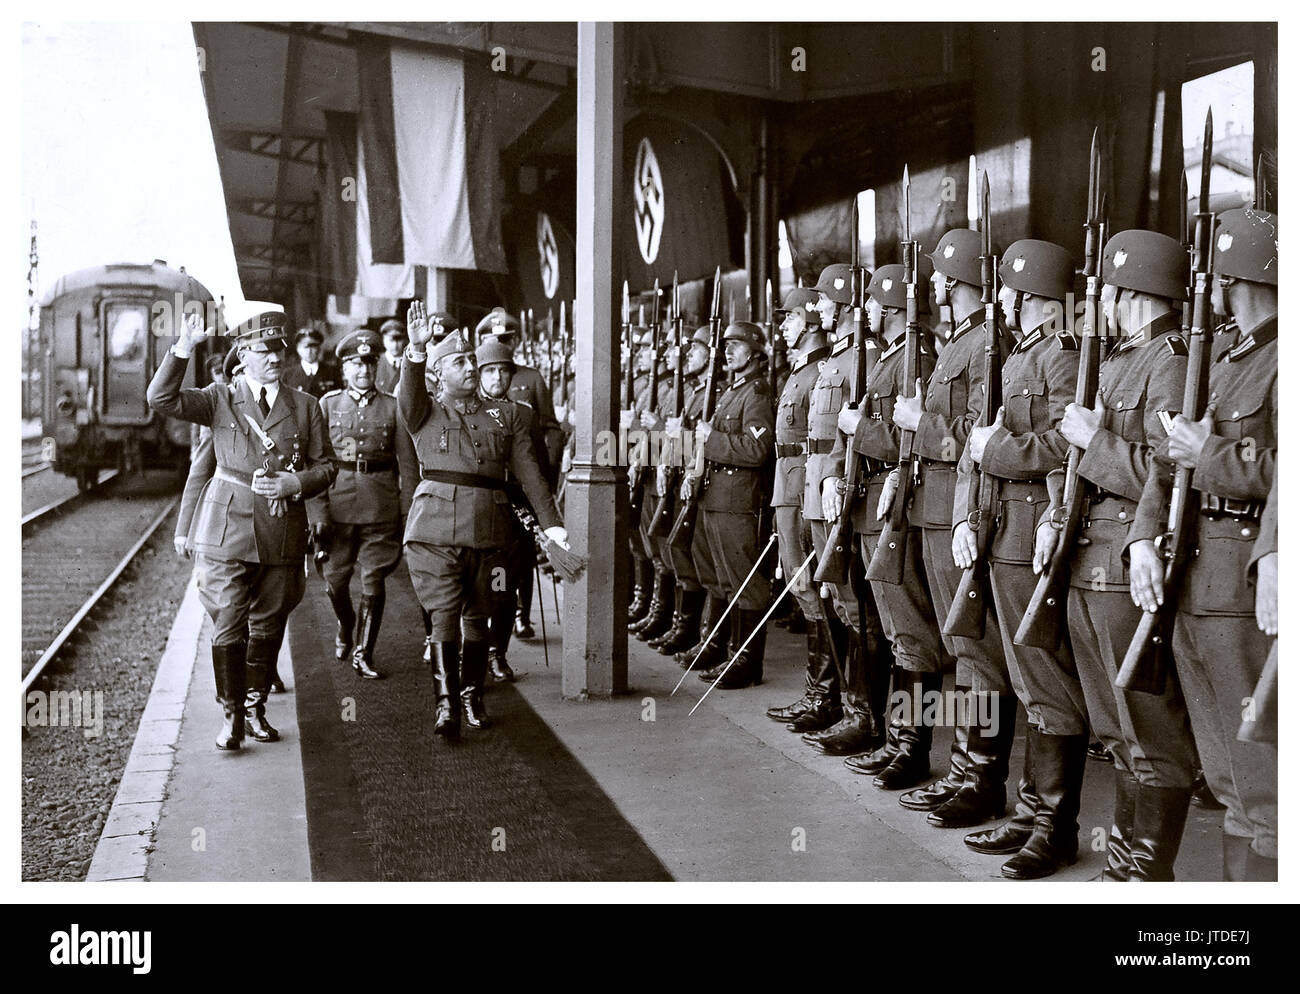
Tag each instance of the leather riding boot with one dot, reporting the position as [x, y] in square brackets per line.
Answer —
[747, 671]
[445, 667]
[427, 618]
[1159, 815]
[473, 671]
[811, 698]
[946, 787]
[660, 616]
[683, 655]
[856, 725]
[983, 795]
[642, 581]
[686, 628]
[259, 666]
[674, 621]
[228, 671]
[368, 619]
[1202, 796]
[1119, 860]
[1058, 774]
[498, 667]
[871, 763]
[341, 601]
[712, 652]
[1011, 836]
[911, 766]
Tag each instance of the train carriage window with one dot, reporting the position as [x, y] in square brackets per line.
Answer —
[127, 327]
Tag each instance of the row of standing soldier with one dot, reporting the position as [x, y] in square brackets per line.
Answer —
[1109, 499]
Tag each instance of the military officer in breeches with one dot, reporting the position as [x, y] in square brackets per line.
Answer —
[459, 521]
[250, 530]
[358, 521]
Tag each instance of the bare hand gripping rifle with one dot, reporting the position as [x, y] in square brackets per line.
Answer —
[661, 521]
[887, 563]
[833, 564]
[970, 602]
[684, 526]
[1045, 622]
[1146, 663]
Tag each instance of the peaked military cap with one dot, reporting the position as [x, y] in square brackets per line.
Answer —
[498, 321]
[268, 326]
[957, 256]
[1044, 269]
[230, 364]
[836, 281]
[493, 351]
[442, 323]
[1145, 261]
[310, 334]
[361, 344]
[393, 327]
[1245, 245]
[747, 332]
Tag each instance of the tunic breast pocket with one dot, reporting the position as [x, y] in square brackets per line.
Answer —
[829, 399]
[1128, 415]
[1240, 418]
[948, 396]
[228, 440]
[213, 517]
[1024, 400]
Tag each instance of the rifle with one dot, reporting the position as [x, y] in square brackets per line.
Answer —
[684, 527]
[970, 602]
[550, 354]
[659, 521]
[1146, 663]
[637, 494]
[1261, 185]
[779, 358]
[630, 372]
[887, 562]
[835, 558]
[1045, 622]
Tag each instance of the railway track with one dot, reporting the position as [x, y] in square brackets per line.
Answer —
[69, 565]
[44, 514]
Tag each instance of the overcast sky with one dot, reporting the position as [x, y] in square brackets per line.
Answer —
[117, 156]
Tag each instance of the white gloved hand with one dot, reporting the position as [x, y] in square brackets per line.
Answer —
[559, 536]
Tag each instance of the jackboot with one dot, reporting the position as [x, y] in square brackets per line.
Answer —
[746, 667]
[498, 667]
[983, 795]
[341, 601]
[228, 671]
[642, 583]
[658, 618]
[946, 787]
[368, 619]
[1058, 774]
[259, 666]
[473, 671]
[911, 766]
[445, 667]
[1159, 815]
[812, 697]
[714, 649]
[859, 730]
[1011, 836]
[871, 763]
[1119, 857]
[686, 624]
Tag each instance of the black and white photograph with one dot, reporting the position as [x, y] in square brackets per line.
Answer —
[604, 451]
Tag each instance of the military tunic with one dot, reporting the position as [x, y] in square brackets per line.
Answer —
[460, 516]
[1218, 649]
[364, 508]
[1038, 381]
[528, 386]
[691, 564]
[906, 612]
[326, 378]
[387, 371]
[953, 403]
[794, 537]
[250, 563]
[737, 452]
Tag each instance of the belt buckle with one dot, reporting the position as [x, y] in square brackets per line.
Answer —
[363, 465]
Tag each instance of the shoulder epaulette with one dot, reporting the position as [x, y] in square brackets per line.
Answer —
[1176, 344]
[1067, 341]
[332, 393]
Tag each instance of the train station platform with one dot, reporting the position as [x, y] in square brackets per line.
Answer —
[629, 789]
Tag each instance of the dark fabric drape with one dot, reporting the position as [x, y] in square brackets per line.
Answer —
[378, 138]
[338, 212]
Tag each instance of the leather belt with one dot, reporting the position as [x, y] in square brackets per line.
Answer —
[366, 465]
[462, 479]
[233, 476]
[788, 450]
[1214, 506]
[820, 446]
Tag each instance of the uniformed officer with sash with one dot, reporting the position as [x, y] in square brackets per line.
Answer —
[250, 530]
[358, 521]
[459, 522]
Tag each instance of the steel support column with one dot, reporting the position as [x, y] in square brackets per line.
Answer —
[596, 504]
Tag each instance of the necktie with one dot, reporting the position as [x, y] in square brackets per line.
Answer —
[263, 406]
